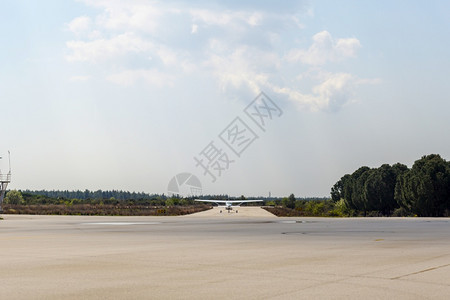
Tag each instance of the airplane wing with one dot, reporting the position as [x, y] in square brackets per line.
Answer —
[244, 201]
[228, 201]
[213, 201]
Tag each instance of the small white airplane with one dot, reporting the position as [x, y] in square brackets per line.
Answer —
[228, 204]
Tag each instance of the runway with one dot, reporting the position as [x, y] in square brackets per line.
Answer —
[223, 256]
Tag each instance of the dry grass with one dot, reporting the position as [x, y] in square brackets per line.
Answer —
[101, 210]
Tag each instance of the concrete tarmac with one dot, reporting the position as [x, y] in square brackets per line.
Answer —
[223, 256]
[244, 211]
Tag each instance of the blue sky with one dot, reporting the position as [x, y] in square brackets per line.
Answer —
[124, 94]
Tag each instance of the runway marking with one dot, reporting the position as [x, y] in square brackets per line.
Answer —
[291, 222]
[421, 271]
[335, 231]
[121, 223]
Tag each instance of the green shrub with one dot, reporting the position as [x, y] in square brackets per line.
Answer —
[401, 212]
[14, 197]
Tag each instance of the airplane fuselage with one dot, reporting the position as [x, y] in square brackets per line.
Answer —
[228, 204]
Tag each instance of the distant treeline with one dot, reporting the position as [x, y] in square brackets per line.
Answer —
[61, 203]
[91, 195]
[119, 195]
[423, 190]
[129, 203]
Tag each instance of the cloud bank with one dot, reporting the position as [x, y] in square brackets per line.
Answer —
[243, 47]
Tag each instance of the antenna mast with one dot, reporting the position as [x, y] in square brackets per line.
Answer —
[4, 180]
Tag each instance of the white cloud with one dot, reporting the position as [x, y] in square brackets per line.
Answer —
[332, 91]
[79, 25]
[255, 70]
[243, 67]
[95, 35]
[325, 49]
[153, 77]
[167, 55]
[194, 28]
[255, 19]
[335, 91]
[102, 49]
[130, 16]
[209, 17]
[155, 43]
[330, 95]
[236, 21]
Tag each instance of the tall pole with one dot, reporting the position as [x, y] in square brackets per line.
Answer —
[3, 184]
[4, 180]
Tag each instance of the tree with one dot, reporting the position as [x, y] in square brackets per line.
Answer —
[14, 197]
[425, 189]
[337, 190]
[172, 201]
[358, 197]
[399, 169]
[379, 190]
[347, 190]
[289, 202]
[369, 189]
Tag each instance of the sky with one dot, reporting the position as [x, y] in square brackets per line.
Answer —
[125, 95]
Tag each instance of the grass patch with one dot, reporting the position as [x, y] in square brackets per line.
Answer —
[102, 210]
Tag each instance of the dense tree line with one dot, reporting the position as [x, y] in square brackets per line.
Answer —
[423, 190]
[92, 195]
[114, 196]
[124, 195]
